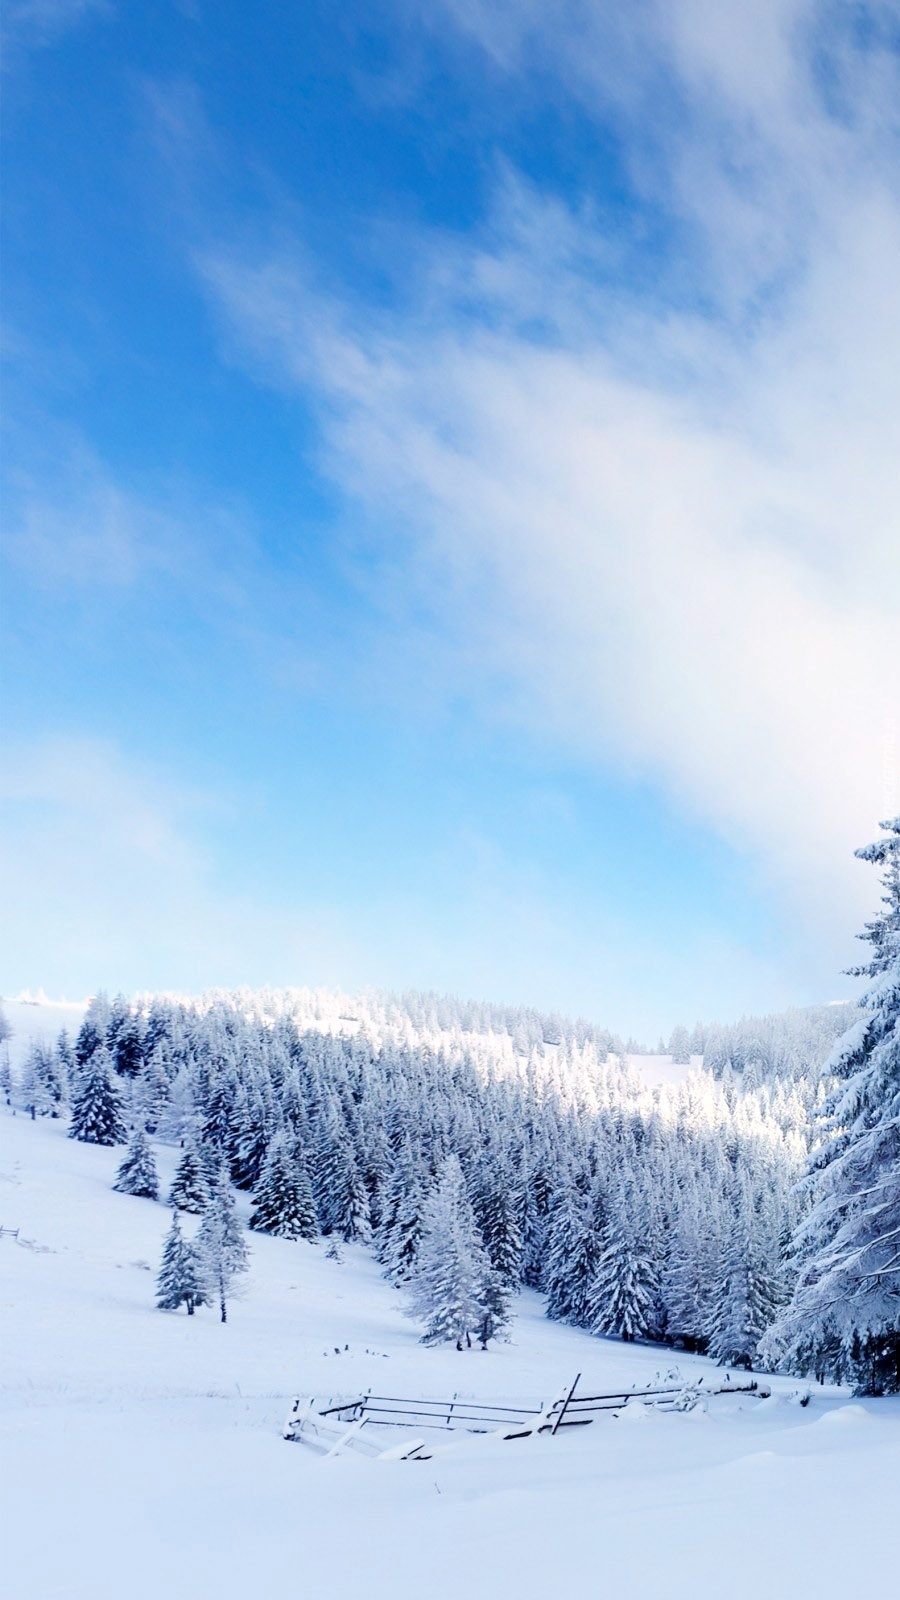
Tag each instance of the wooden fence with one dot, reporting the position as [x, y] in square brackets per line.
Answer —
[341, 1425]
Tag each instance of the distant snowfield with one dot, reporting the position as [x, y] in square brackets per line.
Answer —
[40, 1019]
[142, 1450]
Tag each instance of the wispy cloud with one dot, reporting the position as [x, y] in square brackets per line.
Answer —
[37, 24]
[670, 525]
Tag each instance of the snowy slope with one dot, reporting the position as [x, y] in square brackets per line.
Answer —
[144, 1457]
[37, 1018]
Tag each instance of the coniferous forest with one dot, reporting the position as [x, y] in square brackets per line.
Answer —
[748, 1208]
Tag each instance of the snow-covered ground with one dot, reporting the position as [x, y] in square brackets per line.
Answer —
[142, 1451]
[36, 1018]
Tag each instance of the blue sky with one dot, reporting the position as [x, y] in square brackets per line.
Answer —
[450, 486]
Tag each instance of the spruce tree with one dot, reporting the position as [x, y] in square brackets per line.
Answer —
[137, 1174]
[221, 1245]
[125, 1041]
[180, 1281]
[622, 1297]
[447, 1289]
[283, 1199]
[493, 1296]
[44, 1083]
[92, 1033]
[844, 1319]
[500, 1228]
[96, 1103]
[190, 1186]
[680, 1046]
[748, 1291]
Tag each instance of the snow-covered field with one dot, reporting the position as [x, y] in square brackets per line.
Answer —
[142, 1451]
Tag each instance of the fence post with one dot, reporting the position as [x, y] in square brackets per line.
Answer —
[562, 1409]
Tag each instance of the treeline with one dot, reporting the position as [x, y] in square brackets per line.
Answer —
[662, 1214]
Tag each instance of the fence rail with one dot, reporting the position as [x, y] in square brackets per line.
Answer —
[335, 1427]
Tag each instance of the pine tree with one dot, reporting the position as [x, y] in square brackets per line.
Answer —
[500, 1228]
[44, 1085]
[748, 1292]
[447, 1289]
[125, 1041]
[92, 1033]
[844, 1319]
[96, 1103]
[402, 1245]
[221, 1245]
[180, 1281]
[566, 1229]
[622, 1296]
[137, 1174]
[283, 1199]
[493, 1295]
[680, 1046]
[190, 1187]
[66, 1059]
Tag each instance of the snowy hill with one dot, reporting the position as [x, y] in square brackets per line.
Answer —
[149, 1443]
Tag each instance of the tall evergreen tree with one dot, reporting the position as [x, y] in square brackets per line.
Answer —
[137, 1174]
[221, 1245]
[125, 1039]
[283, 1199]
[180, 1281]
[44, 1084]
[96, 1103]
[190, 1186]
[92, 1033]
[622, 1296]
[448, 1287]
[844, 1319]
[680, 1046]
[748, 1292]
[500, 1226]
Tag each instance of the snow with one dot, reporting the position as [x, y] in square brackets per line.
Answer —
[34, 1017]
[143, 1450]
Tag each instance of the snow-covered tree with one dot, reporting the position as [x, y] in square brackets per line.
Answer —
[190, 1185]
[494, 1297]
[447, 1288]
[844, 1319]
[283, 1199]
[92, 1033]
[680, 1046]
[180, 1280]
[748, 1291]
[44, 1085]
[125, 1039]
[97, 1116]
[622, 1297]
[221, 1245]
[500, 1226]
[137, 1174]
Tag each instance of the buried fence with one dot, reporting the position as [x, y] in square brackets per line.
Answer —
[335, 1427]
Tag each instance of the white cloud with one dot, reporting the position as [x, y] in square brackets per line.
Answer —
[676, 531]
